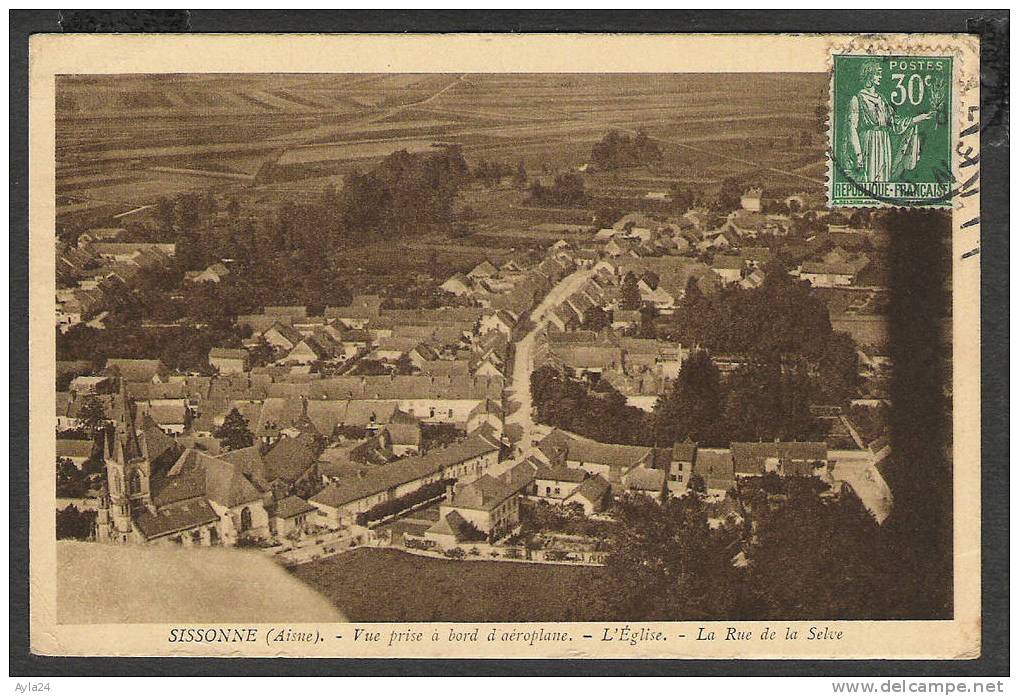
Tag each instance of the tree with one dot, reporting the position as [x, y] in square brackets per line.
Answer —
[729, 196]
[404, 365]
[606, 216]
[666, 563]
[838, 368]
[692, 408]
[164, 212]
[682, 198]
[697, 484]
[618, 150]
[73, 523]
[520, 177]
[768, 401]
[629, 293]
[70, 480]
[568, 189]
[92, 414]
[596, 319]
[261, 353]
[234, 433]
[820, 559]
[564, 402]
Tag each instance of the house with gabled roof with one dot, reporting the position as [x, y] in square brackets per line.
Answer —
[581, 304]
[617, 247]
[593, 495]
[458, 284]
[404, 431]
[782, 458]
[291, 462]
[557, 482]
[74, 450]
[215, 273]
[488, 413]
[754, 279]
[280, 417]
[291, 311]
[290, 516]
[309, 349]
[609, 460]
[727, 267]
[827, 275]
[484, 269]
[645, 481]
[172, 417]
[487, 503]
[564, 318]
[714, 467]
[125, 251]
[137, 370]
[341, 501]
[498, 320]
[228, 360]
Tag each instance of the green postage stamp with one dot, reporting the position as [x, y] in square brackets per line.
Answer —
[891, 131]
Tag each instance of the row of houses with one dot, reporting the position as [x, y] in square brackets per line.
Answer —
[567, 469]
[163, 489]
[676, 470]
[197, 406]
[91, 275]
[513, 286]
[343, 499]
[639, 368]
[476, 337]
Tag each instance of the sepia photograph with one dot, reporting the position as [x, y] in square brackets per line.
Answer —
[530, 348]
[383, 327]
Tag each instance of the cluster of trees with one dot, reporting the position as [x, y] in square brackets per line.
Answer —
[184, 348]
[567, 190]
[73, 523]
[682, 198]
[602, 414]
[780, 328]
[71, 481]
[405, 192]
[569, 519]
[596, 319]
[729, 194]
[807, 558]
[618, 151]
[491, 173]
[185, 211]
[760, 402]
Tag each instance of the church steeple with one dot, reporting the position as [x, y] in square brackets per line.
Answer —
[127, 471]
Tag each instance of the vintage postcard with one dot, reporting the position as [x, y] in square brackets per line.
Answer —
[542, 346]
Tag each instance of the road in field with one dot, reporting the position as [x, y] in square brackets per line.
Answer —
[520, 422]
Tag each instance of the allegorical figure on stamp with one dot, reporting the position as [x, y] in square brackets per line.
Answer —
[874, 128]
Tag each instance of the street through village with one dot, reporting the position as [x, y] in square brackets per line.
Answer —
[520, 426]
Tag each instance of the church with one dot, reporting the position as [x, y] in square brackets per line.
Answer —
[159, 492]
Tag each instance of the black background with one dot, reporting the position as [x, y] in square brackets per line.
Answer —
[991, 25]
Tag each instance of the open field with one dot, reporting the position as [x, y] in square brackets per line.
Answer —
[387, 585]
[316, 126]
